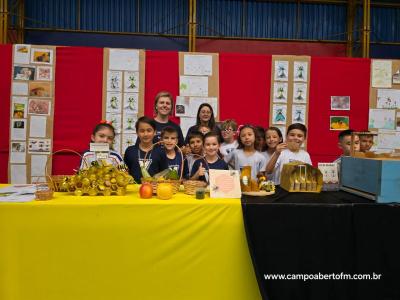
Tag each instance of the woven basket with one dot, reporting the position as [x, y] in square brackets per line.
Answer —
[192, 185]
[56, 181]
[44, 192]
[175, 183]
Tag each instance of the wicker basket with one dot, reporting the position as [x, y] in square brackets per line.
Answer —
[44, 192]
[56, 181]
[175, 183]
[192, 185]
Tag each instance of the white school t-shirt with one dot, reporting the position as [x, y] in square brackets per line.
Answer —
[226, 149]
[286, 157]
[256, 161]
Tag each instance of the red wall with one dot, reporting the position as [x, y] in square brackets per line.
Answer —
[244, 95]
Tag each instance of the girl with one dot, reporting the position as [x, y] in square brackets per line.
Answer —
[135, 156]
[103, 133]
[205, 117]
[274, 141]
[289, 151]
[246, 154]
[211, 147]
[163, 107]
[260, 144]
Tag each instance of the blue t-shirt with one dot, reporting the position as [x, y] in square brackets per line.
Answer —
[220, 164]
[176, 163]
[135, 158]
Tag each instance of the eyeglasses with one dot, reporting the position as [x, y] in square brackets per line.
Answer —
[228, 130]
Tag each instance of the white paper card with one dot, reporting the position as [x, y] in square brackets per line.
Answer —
[39, 146]
[193, 86]
[388, 98]
[382, 119]
[197, 64]
[114, 102]
[300, 71]
[128, 140]
[18, 129]
[131, 103]
[186, 123]
[280, 92]
[20, 88]
[37, 127]
[18, 152]
[281, 71]
[38, 165]
[22, 54]
[131, 82]
[279, 114]
[388, 139]
[18, 174]
[115, 119]
[329, 172]
[225, 184]
[125, 60]
[182, 106]
[114, 81]
[300, 92]
[19, 107]
[299, 114]
[195, 102]
[381, 73]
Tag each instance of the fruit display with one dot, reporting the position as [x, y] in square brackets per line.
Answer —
[169, 176]
[146, 191]
[265, 185]
[164, 191]
[99, 179]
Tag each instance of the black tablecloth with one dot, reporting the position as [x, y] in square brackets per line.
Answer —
[330, 232]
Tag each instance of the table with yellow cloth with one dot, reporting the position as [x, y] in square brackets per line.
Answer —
[124, 247]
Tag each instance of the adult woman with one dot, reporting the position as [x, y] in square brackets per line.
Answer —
[163, 107]
[205, 117]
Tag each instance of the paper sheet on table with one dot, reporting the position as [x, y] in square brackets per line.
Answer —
[388, 98]
[193, 86]
[381, 73]
[197, 64]
[382, 118]
[37, 127]
[38, 165]
[225, 184]
[18, 193]
[186, 123]
[125, 60]
[18, 174]
[195, 102]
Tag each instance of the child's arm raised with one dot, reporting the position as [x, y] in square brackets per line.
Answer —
[200, 172]
[274, 158]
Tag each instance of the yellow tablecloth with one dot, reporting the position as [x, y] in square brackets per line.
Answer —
[124, 248]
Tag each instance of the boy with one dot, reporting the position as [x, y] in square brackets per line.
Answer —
[196, 140]
[366, 142]
[229, 128]
[345, 145]
[169, 137]
[345, 142]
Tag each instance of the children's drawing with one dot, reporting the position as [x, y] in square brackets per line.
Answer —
[279, 114]
[281, 70]
[388, 98]
[113, 102]
[131, 101]
[300, 92]
[114, 81]
[280, 92]
[300, 71]
[299, 114]
[131, 82]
